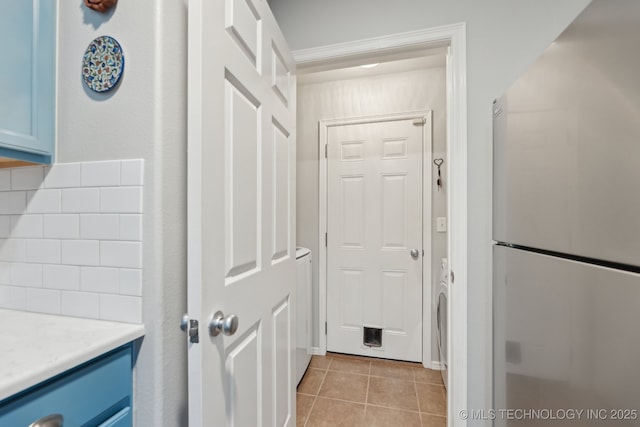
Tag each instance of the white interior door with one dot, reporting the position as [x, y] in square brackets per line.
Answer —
[241, 215]
[374, 221]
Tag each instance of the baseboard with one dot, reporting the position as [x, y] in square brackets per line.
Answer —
[437, 365]
[318, 351]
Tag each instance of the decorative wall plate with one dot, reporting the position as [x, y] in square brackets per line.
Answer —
[102, 64]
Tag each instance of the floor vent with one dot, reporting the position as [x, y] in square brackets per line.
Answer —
[372, 337]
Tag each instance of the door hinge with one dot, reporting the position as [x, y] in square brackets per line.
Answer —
[420, 122]
[423, 252]
[325, 328]
[326, 151]
[326, 239]
[453, 277]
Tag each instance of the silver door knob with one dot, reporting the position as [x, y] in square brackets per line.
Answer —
[415, 253]
[219, 323]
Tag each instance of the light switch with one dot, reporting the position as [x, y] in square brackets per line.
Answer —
[441, 224]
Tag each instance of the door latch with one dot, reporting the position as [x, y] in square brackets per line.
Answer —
[190, 326]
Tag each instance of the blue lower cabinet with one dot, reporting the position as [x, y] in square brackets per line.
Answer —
[96, 394]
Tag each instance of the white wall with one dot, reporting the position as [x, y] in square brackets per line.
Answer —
[366, 96]
[145, 117]
[503, 37]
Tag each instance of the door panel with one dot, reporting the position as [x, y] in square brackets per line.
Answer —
[374, 220]
[242, 190]
[281, 392]
[281, 192]
[394, 211]
[244, 375]
[241, 201]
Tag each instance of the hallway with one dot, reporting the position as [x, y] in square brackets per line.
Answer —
[344, 390]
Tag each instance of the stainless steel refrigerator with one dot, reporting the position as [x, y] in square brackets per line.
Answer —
[566, 274]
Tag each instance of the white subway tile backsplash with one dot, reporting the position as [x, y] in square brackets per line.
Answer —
[71, 239]
[80, 304]
[62, 175]
[43, 251]
[26, 274]
[121, 200]
[100, 279]
[43, 300]
[13, 202]
[80, 252]
[131, 282]
[17, 202]
[121, 308]
[131, 227]
[4, 202]
[100, 227]
[26, 226]
[131, 172]
[80, 200]
[5, 226]
[27, 178]
[61, 276]
[5, 273]
[12, 250]
[5, 180]
[121, 254]
[64, 226]
[100, 174]
[44, 201]
[13, 297]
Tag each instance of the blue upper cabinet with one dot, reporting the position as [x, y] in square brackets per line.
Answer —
[28, 80]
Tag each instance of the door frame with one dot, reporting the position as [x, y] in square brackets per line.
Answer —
[323, 205]
[454, 36]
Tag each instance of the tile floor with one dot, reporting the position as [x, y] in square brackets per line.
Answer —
[353, 391]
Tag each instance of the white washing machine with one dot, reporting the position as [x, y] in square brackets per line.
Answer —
[303, 311]
[441, 314]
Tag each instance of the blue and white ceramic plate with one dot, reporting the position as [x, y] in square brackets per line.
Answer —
[102, 64]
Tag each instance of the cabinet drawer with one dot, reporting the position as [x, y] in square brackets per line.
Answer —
[95, 394]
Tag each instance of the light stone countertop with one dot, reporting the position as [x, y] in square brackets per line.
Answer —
[35, 347]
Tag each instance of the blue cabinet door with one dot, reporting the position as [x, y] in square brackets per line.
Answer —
[97, 394]
[28, 79]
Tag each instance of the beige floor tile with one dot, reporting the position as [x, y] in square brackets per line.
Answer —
[336, 413]
[395, 392]
[345, 386]
[432, 398]
[391, 370]
[433, 421]
[352, 366]
[311, 381]
[304, 402]
[376, 416]
[320, 362]
[392, 393]
[430, 376]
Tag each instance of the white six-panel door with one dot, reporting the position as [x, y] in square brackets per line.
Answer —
[241, 213]
[374, 221]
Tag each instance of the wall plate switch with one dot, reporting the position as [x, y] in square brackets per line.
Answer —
[441, 224]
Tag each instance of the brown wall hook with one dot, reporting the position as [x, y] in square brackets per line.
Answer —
[100, 5]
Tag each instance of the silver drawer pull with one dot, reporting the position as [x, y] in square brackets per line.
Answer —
[53, 420]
